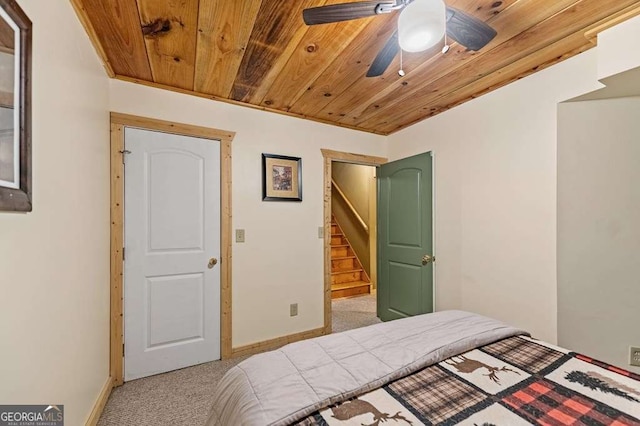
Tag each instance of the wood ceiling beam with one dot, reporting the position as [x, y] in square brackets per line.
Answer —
[224, 28]
[277, 31]
[116, 26]
[576, 18]
[169, 29]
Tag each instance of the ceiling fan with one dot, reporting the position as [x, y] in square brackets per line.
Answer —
[421, 25]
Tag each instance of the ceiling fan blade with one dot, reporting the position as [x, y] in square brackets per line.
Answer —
[340, 12]
[385, 57]
[470, 32]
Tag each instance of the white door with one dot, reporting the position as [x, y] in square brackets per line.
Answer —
[172, 231]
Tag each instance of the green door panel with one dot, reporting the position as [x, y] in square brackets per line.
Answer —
[407, 281]
[404, 192]
[405, 235]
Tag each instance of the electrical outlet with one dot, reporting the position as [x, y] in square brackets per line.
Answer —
[293, 309]
[634, 356]
[239, 235]
[321, 232]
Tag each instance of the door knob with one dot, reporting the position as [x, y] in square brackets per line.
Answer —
[426, 259]
[212, 262]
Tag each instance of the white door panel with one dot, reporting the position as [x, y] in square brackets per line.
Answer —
[172, 229]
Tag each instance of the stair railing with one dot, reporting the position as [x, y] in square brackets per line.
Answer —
[351, 207]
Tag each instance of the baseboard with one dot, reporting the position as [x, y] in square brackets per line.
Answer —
[269, 345]
[96, 412]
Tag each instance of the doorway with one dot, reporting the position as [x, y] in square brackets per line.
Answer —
[329, 158]
[207, 335]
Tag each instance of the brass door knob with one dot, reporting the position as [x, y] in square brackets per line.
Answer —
[212, 262]
[426, 259]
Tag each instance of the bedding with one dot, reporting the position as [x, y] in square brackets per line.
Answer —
[515, 381]
[445, 368]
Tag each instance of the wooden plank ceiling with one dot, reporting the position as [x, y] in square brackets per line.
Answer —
[260, 53]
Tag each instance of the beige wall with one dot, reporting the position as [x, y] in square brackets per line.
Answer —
[495, 195]
[598, 232]
[54, 262]
[281, 261]
[355, 182]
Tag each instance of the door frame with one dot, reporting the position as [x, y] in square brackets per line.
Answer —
[329, 157]
[118, 123]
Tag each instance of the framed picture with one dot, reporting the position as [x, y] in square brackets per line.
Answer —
[15, 108]
[281, 178]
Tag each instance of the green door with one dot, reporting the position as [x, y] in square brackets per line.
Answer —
[405, 238]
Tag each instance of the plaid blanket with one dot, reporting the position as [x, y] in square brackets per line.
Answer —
[516, 381]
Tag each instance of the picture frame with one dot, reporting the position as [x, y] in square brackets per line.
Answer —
[15, 108]
[281, 178]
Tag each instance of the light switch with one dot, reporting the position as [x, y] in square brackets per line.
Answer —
[321, 232]
[239, 235]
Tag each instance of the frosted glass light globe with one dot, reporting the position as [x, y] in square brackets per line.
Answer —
[421, 25]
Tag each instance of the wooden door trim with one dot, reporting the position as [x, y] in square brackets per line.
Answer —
[345, 157]
[118, 123]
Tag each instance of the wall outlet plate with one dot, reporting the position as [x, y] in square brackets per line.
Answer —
[239, 235]
[293, 309]
[634, 356]
[321, 232]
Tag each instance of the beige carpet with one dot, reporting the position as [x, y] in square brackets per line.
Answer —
[183, 397]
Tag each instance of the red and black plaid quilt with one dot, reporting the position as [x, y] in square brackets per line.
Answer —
[516, 381]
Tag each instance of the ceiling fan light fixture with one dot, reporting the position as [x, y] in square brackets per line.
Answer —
[421, 25]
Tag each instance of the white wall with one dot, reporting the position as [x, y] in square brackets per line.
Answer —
[281, 261]
[598, 232]
[619, 48]
[54, 262]
[495, 202]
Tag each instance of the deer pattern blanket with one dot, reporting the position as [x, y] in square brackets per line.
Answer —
[515, 381]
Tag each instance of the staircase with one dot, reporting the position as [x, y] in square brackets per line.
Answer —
[347, 276]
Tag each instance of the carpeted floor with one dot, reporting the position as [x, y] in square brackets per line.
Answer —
[353, 313]
[182, 397]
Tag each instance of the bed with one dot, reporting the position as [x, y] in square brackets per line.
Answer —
[445, 368]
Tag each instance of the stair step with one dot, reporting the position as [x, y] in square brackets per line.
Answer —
[353, 284]
[341, 277]
[350, 289]
[346, 272]
[339, 245]
[344, 263]
[341, 251]
[337, 239]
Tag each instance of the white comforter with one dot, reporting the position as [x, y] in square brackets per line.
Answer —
[285, 385]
